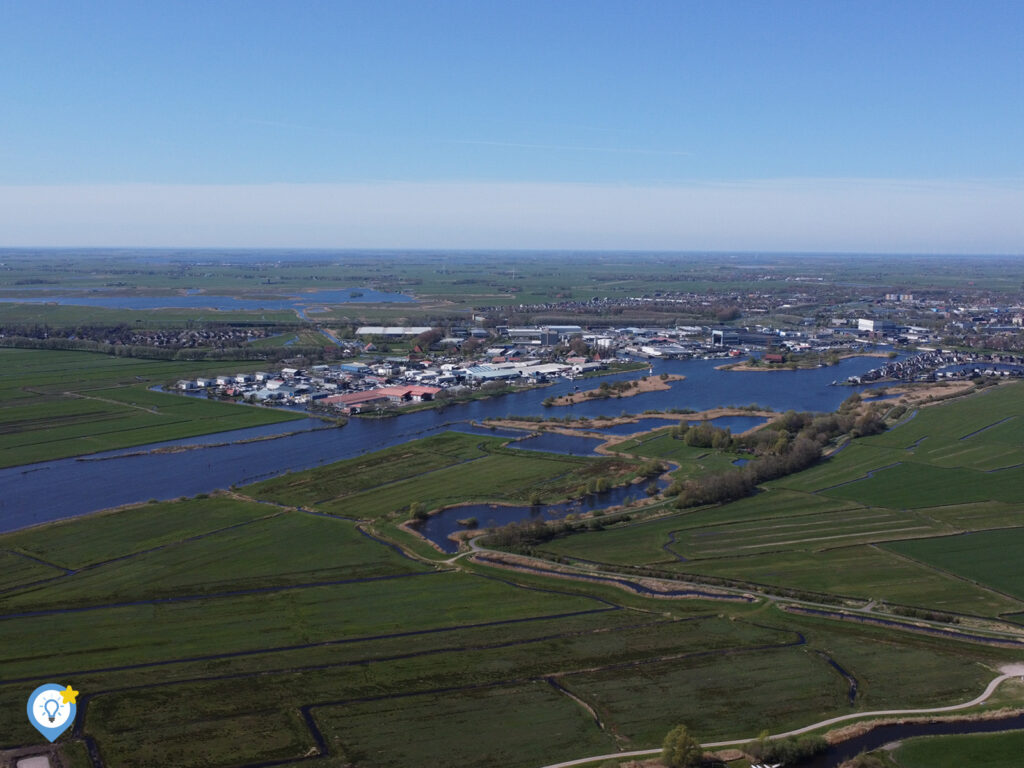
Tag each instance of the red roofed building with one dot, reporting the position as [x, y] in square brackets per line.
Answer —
[354, 402]
[404, 393]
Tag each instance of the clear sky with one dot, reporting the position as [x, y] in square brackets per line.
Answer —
[765, 125]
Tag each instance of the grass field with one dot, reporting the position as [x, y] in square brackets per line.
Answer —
[692, 461]
[850, 525]
[446, 469]
[481, 727]
[991, 558]
[992, 750]
[55, 404]
[235, 620]
[221, 631]
[391, 465]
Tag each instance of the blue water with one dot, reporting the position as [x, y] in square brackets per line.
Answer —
[629, 428]
[203, 301]
[736, 424]
[438, 527]
[45, 491]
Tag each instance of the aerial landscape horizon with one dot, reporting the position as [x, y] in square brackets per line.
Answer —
[489, 384]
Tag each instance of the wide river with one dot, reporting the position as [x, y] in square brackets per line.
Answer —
[37, 493]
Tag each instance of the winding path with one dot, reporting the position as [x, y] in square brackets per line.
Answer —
[1008, 671]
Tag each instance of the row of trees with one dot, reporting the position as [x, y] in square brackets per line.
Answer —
[719, 487]
[681, 749]
[793, 443]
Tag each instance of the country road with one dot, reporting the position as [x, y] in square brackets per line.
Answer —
[1008, 671]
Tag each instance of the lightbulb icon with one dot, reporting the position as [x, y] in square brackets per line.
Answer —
[51, 707]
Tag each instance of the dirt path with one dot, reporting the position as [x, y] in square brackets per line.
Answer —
[1008, 671]
[79, 396]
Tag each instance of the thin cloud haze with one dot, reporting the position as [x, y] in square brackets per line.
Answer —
[864, 215]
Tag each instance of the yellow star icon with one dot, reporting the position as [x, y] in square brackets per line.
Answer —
[68, 695]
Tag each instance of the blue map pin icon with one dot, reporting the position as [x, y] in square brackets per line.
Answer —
[49, 712]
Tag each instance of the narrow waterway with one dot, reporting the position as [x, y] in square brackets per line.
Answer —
[878, 737]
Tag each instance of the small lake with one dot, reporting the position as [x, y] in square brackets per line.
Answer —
[438, 527]
[297, 301]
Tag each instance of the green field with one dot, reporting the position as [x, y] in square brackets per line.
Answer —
[56, 404]
[989, 750]
[871, 523]
[270, 624]
[447, 469]
[991, 558]
[235, 620]
[992, 750]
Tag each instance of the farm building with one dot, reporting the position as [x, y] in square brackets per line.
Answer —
[355, 402]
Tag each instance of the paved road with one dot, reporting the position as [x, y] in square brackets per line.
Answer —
[1008, 671]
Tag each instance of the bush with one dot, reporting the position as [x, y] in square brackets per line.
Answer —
[680, 749]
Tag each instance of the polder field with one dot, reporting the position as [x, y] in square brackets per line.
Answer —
[55, 404]
[292, 622]
[225, 632]
[447, 469]
[995, 750]
[924, 515]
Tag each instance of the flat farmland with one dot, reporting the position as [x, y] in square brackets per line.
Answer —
[381, 468]
[981, 432]
[484, 726]
[992, 750]
[56, 404]
[806, 532]
[863, 571]
[873, 522]
[718, 697]
[852, 463]
[446, 469]
[16, 569]
[651, 542]
[911, 485]
[991, 557]
[70, 544]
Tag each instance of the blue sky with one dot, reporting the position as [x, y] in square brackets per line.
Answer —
[263, 110]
